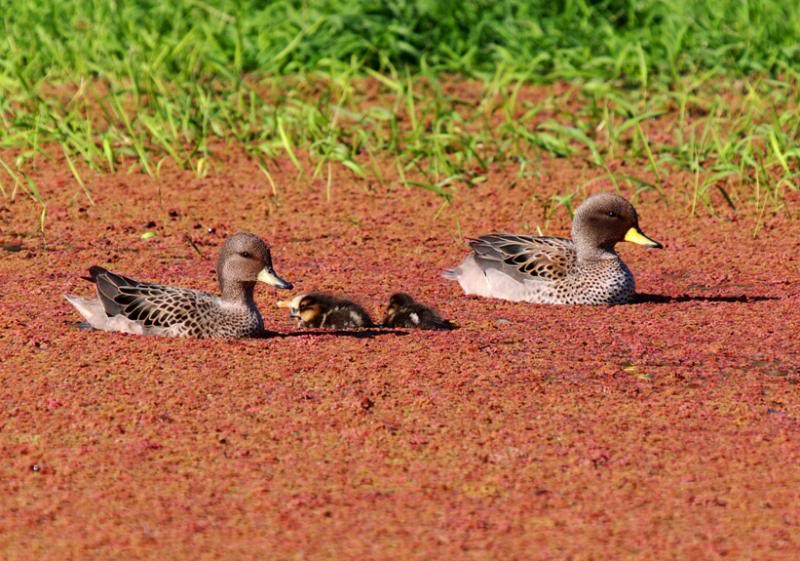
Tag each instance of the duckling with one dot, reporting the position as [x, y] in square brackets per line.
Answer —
[142, 308]
[403, 311]
[325, 311]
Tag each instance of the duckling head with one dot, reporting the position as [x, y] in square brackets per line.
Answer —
[398, 301]
[293, 305]
[311, 306]
[604, 220]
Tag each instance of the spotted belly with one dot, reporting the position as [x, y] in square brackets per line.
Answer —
[598, 284]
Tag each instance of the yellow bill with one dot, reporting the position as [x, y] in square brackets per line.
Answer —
[267, 275]
[635, 236]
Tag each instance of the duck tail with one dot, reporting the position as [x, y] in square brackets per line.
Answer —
[90, 308]
[445, 325]
[94, 272]
[452, 274]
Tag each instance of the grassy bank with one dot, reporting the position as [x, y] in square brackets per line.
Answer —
[704, 88]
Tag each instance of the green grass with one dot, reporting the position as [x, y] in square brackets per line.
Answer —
[707, 90]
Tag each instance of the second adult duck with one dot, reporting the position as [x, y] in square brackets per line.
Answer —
[549, 270]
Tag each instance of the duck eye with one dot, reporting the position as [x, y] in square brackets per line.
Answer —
[612, 214]
[245, 254]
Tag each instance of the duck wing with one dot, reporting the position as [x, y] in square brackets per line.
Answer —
[346, 314]
[417, 316]
[525, 257]
[426, 318]
[435, 321]
[151, 305]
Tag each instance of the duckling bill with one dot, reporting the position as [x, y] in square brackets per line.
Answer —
[318, 310]
[403, 311]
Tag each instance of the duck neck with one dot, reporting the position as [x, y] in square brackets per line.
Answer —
[588, 250]
[593, 254]
[238, 292]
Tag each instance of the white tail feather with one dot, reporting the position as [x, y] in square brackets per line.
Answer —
[91, 309]
[93, 312]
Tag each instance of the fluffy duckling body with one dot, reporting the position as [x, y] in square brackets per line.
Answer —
[130, 306]
[324, 311]
[403, 311]
[549, 270]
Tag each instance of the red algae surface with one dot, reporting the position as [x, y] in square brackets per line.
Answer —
[665, 429]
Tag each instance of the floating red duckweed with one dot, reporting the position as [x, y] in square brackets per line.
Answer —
[667, 429]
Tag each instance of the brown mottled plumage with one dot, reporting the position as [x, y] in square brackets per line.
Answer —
[142, 308]
[325, 311]
[548, 270]
[403, 311]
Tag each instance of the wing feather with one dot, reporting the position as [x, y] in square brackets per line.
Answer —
[525, 257]
[152, 305]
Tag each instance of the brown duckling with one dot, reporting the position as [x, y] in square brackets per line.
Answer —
[325, 311]
[403, 311]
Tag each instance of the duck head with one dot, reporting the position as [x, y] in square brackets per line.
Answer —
[244, 260]
[604, 220]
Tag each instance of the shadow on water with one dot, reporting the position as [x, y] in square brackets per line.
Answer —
[663, 299]
[352, 333]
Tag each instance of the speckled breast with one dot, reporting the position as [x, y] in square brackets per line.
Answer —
[598, 283]
[229, 323]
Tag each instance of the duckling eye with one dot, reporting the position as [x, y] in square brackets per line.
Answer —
[612, 214]
[246, 254]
